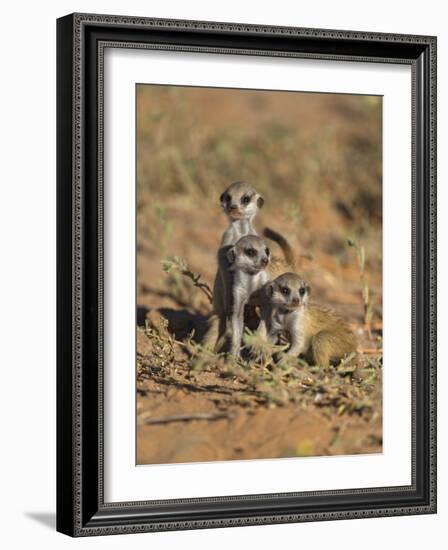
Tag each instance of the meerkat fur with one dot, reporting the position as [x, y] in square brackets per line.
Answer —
[280, 265]
[240, 202]
[315, 332]
[246, 272]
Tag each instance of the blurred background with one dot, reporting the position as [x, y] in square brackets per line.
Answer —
[316, 159]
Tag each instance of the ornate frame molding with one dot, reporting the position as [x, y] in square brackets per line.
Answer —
[81, 42]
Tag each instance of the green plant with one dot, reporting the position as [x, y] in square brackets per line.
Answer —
[350, 388]
[365, 291]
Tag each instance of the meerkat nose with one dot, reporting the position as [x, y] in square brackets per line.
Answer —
[233, 207]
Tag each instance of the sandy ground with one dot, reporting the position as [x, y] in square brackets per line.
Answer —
[186, 415]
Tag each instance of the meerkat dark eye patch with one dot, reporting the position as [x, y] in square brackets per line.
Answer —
[230, 255]
[302, 291]
[285, 290]
[246, 199]
[225, 197]
[251, 252]
[267, 251]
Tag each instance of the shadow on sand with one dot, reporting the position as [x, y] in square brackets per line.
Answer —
[181, 322]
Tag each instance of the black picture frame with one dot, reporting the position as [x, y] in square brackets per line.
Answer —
[81, 510]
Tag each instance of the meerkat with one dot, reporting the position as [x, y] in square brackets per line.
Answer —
[245, 273]
[241, 203]
[315, 332]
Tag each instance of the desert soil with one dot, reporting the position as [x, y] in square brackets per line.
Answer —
[187, 414]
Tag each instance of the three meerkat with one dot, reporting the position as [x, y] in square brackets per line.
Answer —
[242, 280]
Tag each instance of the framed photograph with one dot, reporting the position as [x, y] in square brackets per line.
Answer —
[246, 274]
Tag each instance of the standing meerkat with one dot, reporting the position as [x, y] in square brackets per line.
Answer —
[245, 273]
[241, 203]
[315, 332]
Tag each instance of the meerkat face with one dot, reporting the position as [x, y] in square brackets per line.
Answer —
[240, 201]
[288, 291]
[250, 255]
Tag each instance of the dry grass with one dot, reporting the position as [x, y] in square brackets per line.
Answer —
[316, 159]
[353, 387]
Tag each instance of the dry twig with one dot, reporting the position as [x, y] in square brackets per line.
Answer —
[182, 267]
[187, 417]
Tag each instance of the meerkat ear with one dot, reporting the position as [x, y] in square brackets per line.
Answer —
[260, 201]
[230, 255]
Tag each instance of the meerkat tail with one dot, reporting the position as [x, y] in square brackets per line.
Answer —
[283, 244]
